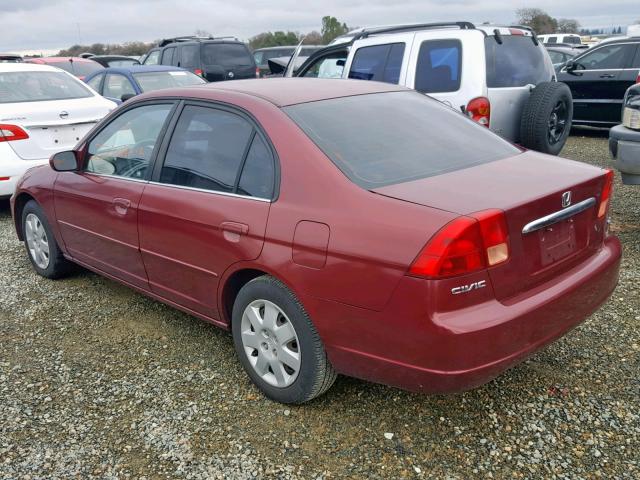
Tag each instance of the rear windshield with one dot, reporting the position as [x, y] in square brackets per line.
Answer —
[79, 69]
[39, 87]
[226, 54]
[388, 138]
[516, 62]
[150, 81]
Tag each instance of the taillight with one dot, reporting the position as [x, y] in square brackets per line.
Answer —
[606, 194]
[466, 244]
[515, 31]
[479, 109]
[199, 72]
[638, 79]
[9, 133]
[257, 72]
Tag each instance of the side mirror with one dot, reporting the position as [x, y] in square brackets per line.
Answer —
[127, 96]
[570, 65]
[65, 161]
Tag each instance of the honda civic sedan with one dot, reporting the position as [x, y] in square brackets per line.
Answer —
[333, 227]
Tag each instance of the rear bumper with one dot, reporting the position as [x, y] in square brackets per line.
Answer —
[437, 353]
[13, 167]
[624, 145]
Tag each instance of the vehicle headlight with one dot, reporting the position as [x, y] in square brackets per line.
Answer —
[631, 118]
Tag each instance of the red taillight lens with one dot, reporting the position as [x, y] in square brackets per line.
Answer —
[464, 245]
[515, 31]
[257, 72]
[638, 79]
[606, 194]
[9, 133]
[198, 71]
[479, 109]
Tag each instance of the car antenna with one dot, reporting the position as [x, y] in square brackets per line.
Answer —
[72, 66]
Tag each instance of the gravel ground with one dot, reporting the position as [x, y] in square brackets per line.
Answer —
[99, 381]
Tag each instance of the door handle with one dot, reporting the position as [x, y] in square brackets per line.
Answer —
[121, 205]
[232, 231]
[607, 75]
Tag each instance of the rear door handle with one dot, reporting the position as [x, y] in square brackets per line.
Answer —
[232, 231]
[121, 205]
[607, 75]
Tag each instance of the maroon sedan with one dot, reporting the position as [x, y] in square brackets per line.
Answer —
[334, 227]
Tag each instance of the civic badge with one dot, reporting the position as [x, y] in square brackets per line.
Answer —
[566, 199]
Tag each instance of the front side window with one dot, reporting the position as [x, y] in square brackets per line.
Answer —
[40, 86]
[124, 147]
[381, 63]
[207, 149]
[153, 58]
[116, 85]
[439, 65]
[610, 57]
[189, 57]
[95, 82]
[329, 66]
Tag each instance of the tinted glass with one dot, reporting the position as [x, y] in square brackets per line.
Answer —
[257, 174]
[552, 40]
[123, 63]
[389, 138]
[636, 60]
[607, 58]
[153, 58]
[379, 62]
[157, 80]
[572, 40]
[39, 87]
[206, 149]
[330, 66]
[124, 147]
[264, 56]
[226, 54]
[307, 51]
[438, 68]
[167, 56]
[516, 62]
[79, 69]
[556, 57]
[189, 57]
[115, 86]
[95, 82]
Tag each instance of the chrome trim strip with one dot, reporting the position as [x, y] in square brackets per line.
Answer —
[117, 177]
[224, 194]
[558, 216]
[65, 124]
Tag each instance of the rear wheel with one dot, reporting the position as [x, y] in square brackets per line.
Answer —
[546, 119]
[277, 344]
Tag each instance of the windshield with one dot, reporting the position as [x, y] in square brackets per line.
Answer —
[79, 69]
[516, 62]
[387, 138]
[40, 87]
[150, 81]
[226, 54]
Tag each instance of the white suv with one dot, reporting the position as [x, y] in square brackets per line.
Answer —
[500, 76]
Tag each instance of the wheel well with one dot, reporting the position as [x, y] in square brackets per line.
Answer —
[231, 288]
[20, 202]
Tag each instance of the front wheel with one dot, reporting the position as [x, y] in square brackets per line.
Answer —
[277, 344]
[546, 119]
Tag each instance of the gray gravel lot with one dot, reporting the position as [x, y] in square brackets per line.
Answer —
[97, 381]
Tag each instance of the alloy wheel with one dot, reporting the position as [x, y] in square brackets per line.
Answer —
[37, 241]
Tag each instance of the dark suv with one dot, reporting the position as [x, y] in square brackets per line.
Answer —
[214, 59]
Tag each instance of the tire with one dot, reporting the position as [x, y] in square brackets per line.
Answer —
[546, 119]
[271, 330]
[48, 262]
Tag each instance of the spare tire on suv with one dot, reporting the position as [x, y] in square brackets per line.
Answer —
[546, 119]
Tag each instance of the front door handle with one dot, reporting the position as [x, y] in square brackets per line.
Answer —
[121, 205]
[607, 75]
[232, 231]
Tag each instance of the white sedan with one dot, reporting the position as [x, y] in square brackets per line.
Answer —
[43, 110]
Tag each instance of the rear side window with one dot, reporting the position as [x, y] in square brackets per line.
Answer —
[636, 60]
[552, 40]
[226, 54]
[439, 65]
[207, 149]
[257, 176]
[387, 138]
[167, 56]
[189, 56]
[572, 40]
[516, 62]
[381, 63]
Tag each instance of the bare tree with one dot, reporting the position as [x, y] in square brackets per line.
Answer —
[537, 19]
[568, 25]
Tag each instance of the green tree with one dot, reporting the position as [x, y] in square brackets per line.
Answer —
[539, 20]
[568, 25]
[273, 39]
[332, 28]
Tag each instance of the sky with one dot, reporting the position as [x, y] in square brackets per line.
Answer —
[50, 25]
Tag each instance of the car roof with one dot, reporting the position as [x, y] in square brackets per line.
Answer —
[141, 69]
[59, 59]
[283, 92]
[111, 57]
[27, 67]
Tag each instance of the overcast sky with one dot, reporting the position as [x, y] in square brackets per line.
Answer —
[45, 25]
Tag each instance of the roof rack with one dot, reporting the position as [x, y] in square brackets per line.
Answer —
[407, 28]
[188, 38]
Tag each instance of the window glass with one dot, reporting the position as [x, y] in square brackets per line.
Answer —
[150, 81]
[552, 40]
[416, 137]
[125, 145]
[206, 149]
[123, 63]
[226, 54]
[115, 86]
[78, 68]
[636, 61]
[153, 58]
[516, 62]
[95, 82]
[40, 86]
[167, 56]
[257, 174]
[438, 68]
[572, 40]
[330, 66]
[189, 56]
[607, 57]
[379, 62]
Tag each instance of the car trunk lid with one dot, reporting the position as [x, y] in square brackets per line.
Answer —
[527, 187]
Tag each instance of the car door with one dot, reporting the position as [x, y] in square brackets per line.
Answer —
[598, 82]
[116, 86]
[207, 204]
[97, 208]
